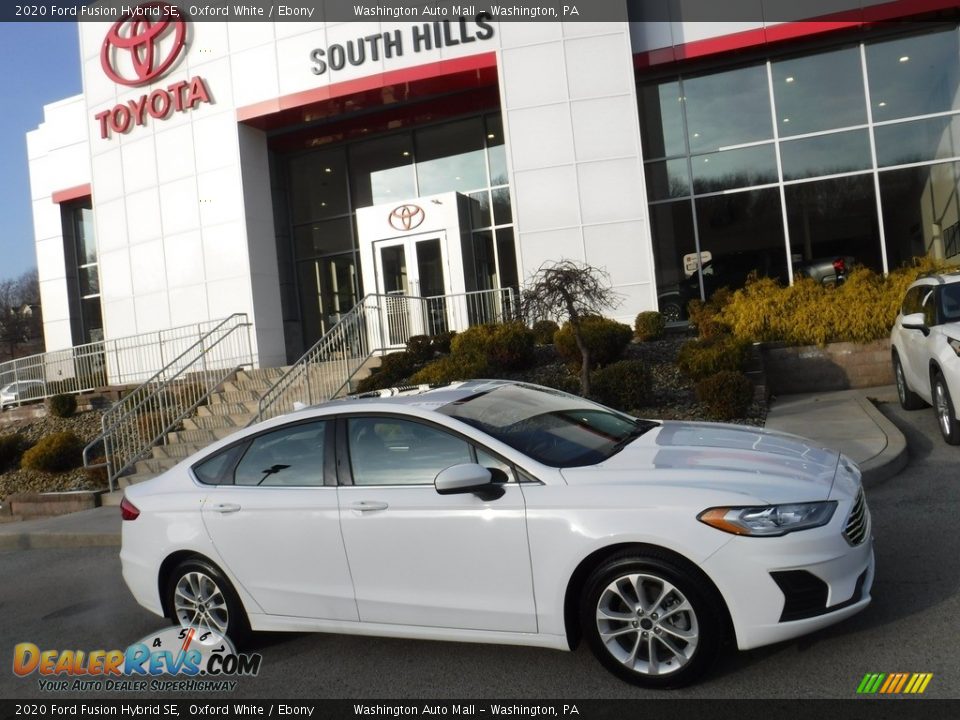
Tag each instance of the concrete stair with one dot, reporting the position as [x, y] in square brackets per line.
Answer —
[228, 410]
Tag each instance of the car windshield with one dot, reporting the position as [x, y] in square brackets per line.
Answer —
[950, 302]
[550, 426]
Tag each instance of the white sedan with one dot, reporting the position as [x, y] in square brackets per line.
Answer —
[498, 512]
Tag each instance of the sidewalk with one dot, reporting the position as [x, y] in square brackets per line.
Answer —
[845, 420]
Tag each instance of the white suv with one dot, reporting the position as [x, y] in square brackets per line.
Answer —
[926, 350]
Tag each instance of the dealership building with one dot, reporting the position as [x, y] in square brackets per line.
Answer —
[286, 169]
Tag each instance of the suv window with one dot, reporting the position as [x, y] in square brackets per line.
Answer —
[911, 302]
[392, 451]
[928, 306]
[950, 302]
[291, 456]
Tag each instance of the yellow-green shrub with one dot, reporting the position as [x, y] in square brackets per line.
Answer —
[62, 406]
[543, 332]
[705, 316]
[11, 447]
[507, 346]
[54, 453]
[394, 368]
[648, 326]
[605, 338]
[727, 394]
[698, 359]
[449, 368]
[624, 385]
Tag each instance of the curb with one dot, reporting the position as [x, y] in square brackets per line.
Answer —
[893, 458]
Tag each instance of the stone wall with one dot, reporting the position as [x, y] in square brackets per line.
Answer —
[837, 366]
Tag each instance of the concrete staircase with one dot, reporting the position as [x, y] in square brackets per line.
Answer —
[229, 409]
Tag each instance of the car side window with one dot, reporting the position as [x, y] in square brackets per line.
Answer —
[393, 451]
[217, 470]
[911, 302]
[288, 457]
[928, 307]
[493, 463]
[950, 302]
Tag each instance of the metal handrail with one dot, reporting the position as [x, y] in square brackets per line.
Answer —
[378, 324]
[145, 416]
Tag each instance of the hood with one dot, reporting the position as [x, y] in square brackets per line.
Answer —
[769, 466]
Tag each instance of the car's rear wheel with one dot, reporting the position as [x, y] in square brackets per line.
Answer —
[909, 400]
[946, 414]
[198, 595]
[650, 621]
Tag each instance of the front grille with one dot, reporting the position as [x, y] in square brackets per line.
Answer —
[858, 524]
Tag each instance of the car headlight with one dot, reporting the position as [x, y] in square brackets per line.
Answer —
[769, 520]
[954, 345]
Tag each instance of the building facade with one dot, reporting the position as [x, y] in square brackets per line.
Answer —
[286, 169]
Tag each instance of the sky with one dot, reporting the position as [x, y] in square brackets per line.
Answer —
[39, 64]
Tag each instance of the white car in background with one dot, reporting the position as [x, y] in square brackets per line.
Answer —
[925, 344]
[17, 392]
[499, 512]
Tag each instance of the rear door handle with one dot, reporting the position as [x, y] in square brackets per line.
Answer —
[225, 507]
[367, 505]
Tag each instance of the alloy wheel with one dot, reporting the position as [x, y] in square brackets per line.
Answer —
[942, 403]
[901, 383]
[199, 602]
[647, 624]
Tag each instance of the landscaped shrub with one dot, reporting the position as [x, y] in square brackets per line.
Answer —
[705, 317]
[420, 349]
[440, 343]
[504, 347]
[727, 394]
[698, 359]
[648, 326]
[11, 447]
[860, 310]
[62, 406]
[605, 338]
[624, 385]
[56, 452]
[394, 369]
[449, 368]
[543, 332]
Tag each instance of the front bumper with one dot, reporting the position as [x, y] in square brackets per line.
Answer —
[758, 604]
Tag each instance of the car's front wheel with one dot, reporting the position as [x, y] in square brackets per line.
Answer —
[946, 414]
[198, 595]
[650, 621]
[909, 400]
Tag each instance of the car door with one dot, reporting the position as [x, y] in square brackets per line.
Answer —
[913, 342]
[272, 513]
[421, 558]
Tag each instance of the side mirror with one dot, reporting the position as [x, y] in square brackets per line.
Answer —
[914, 321]
[468, 478]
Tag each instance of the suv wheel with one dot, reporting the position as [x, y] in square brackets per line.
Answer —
[909, 400]
[946, 414]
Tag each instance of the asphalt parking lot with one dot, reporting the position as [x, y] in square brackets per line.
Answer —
[76, 599]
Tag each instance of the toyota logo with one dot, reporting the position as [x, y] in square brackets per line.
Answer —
[406, 217]
[139, 34]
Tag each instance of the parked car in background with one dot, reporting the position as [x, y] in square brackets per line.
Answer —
[18, 392]
[492, 511]
[925, 347]
[826, 271]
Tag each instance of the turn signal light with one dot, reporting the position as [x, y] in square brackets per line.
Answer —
[128, 511]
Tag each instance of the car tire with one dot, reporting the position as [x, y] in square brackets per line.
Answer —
[946, 412]
[671, 311]
[199, 595]
[636, 607]
[909, 400]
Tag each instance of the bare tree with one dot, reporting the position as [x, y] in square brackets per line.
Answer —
[18, 325]
[569, 291]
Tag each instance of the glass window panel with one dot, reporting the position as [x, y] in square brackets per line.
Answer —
[915, 75]
[921, 212]
[834, 218]
[825, 155]
[382, 171]
[389, 451]
[727, 108]
[216, 470]
[494, 463]
[819, 92]
[292, 456]
[507, 258]
[450, 157]
[496, 151]
[480, 216]
[668, 179]
[483, 261]
[323, 238]
[671, 226]
[318, 186]
[92, 319]
[86, 242]
[89, 281]
[430, 268]
[502, 210]
[328, 288]
[743, 232]
[661, 120]
[734, 168]
[909, 142]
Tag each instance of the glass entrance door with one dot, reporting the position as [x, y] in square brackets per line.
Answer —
[412, 274]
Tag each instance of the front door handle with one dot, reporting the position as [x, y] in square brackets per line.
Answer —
[225, 507]
[367, 505]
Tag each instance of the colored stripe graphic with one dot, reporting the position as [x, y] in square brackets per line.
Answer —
[894, 683]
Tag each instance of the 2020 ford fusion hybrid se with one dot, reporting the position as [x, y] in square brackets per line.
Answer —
[491, 511]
